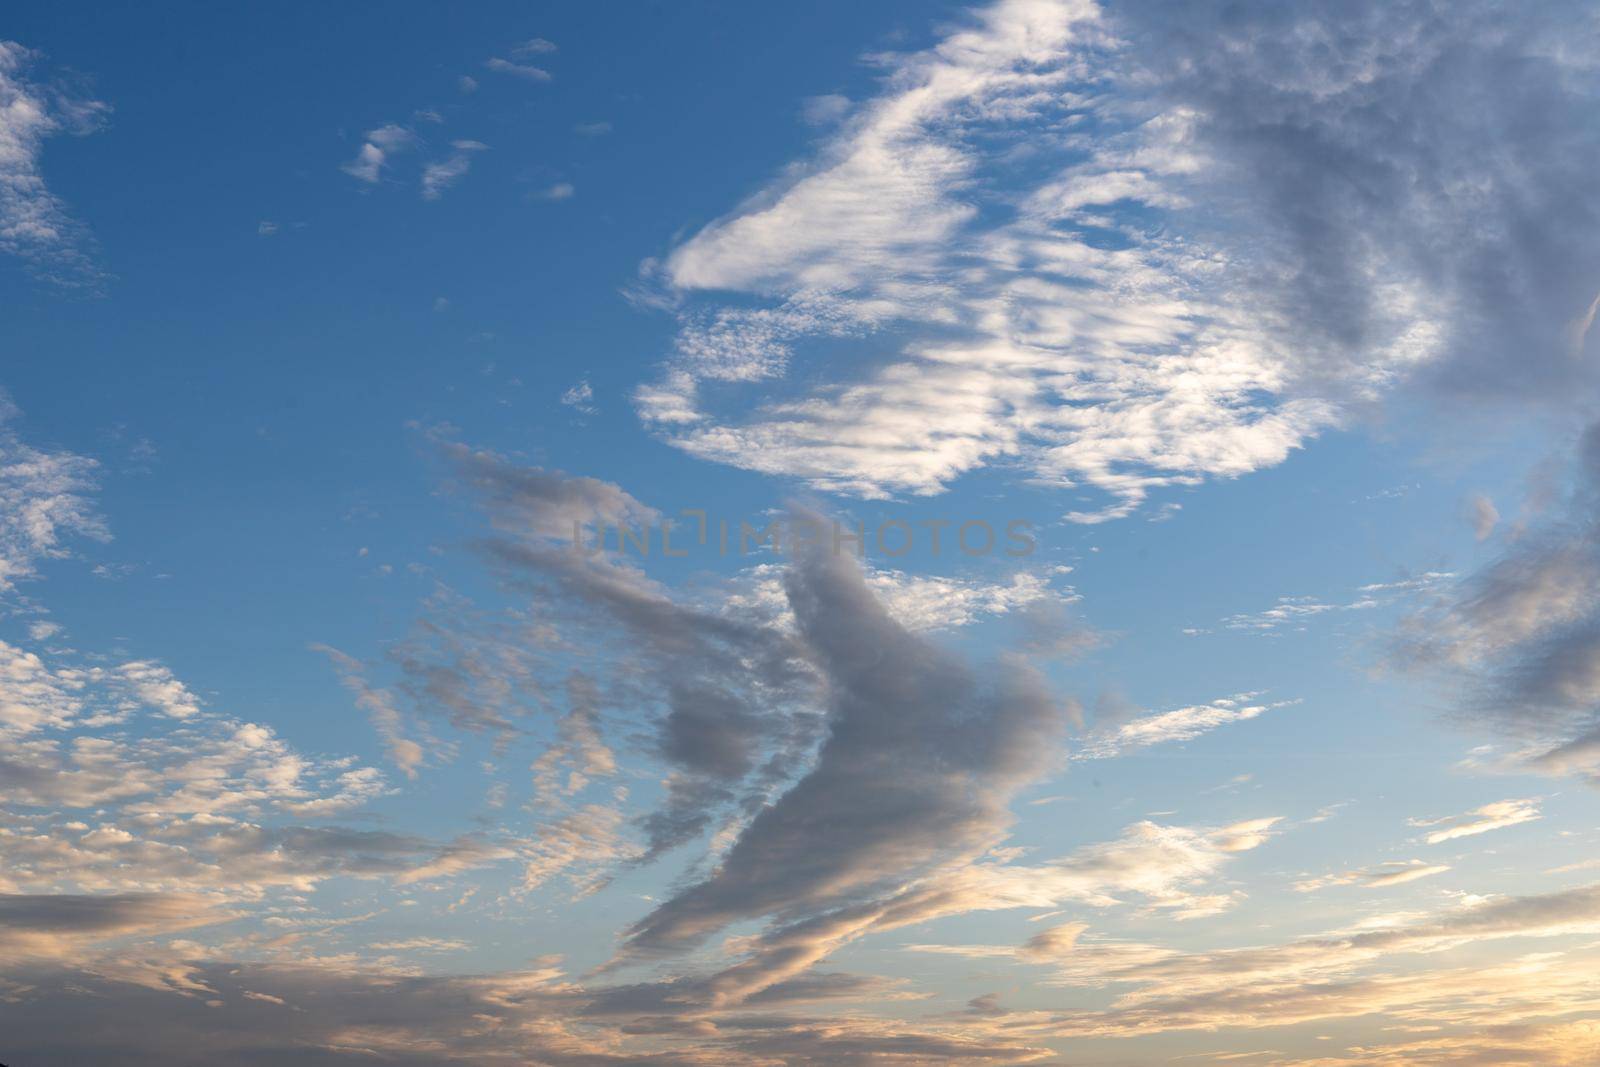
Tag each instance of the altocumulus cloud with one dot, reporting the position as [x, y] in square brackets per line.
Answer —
[1329, 227]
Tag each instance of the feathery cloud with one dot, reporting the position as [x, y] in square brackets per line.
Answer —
[35, 224]
[1496, 816]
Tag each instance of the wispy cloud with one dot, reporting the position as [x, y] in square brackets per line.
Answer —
[437, 177]
[580, 398]
[1293, 612]
[375, 159]
[1496, 816]
[405, 753]
[377, 149]
[1514, 644]
[1118, 731]
[558, 191]
[1381, 876]
[45, 500]
[35, 224]
[1483, 516]
[517, 70]
[534, 46]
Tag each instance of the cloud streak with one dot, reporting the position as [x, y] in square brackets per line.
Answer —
[1494, 816]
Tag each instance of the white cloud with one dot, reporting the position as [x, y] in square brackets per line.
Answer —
[376, 150]
[34, 696]
[65, 747]
[1153, 309]
[439, 176]
[1483, 515]
[34, 223]
[1292, 612]
[583, 846]
[155, 685]
[44, 501]
[1335, 975]
[1380, 876]
[580, 398]
[823, 110]
[43, 630]
[1121, 735]
[1496, 816]
[379, 705]
[919, 602]
[463, 854]
[1110, 369]
[1342, 974]
[517, 70]
[416, 944]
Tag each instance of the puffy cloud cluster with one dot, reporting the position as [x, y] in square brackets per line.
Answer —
[65, 747]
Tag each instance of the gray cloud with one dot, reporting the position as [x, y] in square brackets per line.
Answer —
[532, 502]
[199, 1012]
[1517, 644]
[60, 927]
[104, 915]
[1402, 165]
[732, 694]
[481, 674]
[920, 760]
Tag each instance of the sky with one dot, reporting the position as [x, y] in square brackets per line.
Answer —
[691, 534]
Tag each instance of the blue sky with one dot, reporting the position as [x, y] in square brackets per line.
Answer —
[1274, 741]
